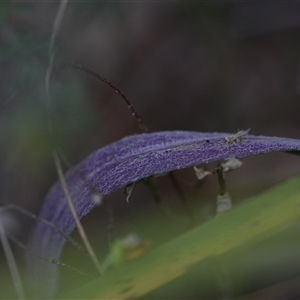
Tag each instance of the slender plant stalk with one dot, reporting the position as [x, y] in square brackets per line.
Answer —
[48, 259]
[74, 214]
[221, 179]
[44, 221]
[56, 26]
[55, 29]
[16, 278]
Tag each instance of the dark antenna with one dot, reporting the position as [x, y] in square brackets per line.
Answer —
[130, 106]
[135, 114]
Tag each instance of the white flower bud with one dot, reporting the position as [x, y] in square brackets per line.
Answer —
[231, 164]
[201, 173]
[224, 204]
[97, 198]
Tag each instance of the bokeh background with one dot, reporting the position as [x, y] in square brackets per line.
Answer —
[202, 66]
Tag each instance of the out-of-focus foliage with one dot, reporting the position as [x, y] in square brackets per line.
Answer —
[26, 163]
[26, 139]
[185, 66]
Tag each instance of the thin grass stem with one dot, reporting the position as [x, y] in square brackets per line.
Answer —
[48, 259]
[44, 221]
[15, 274]
[74, 213]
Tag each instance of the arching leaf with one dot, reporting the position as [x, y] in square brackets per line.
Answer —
[126, 161]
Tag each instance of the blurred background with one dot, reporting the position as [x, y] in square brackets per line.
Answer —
[201, 66]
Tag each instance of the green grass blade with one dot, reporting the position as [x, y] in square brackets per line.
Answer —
[253, 221]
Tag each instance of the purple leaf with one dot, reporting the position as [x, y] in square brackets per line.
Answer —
[126, 161]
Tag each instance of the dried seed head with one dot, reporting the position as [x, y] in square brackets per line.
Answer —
[201, 173]
[237, 137]
[231, 164]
